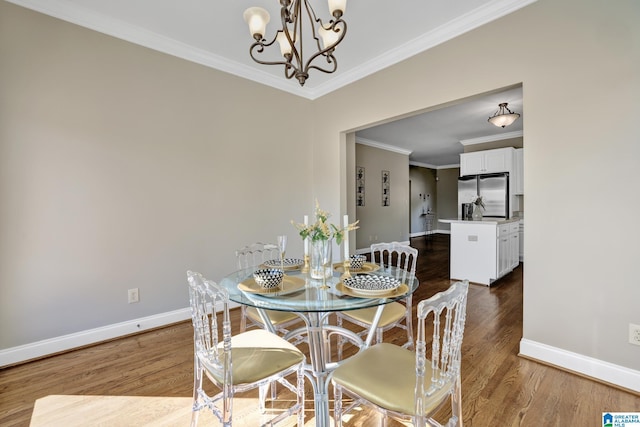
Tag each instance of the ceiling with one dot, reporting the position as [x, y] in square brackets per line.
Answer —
[436, 138]
[213, 33]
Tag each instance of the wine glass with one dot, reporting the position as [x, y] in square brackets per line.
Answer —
[325, 261]
[282, 247]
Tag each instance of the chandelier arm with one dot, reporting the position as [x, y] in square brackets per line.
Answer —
[338, 26]
[332, 60]
[289, 14]
[289, 70]
[327, 52]
[258, 47]
[311, 13]
[296, 19]
[313, 19]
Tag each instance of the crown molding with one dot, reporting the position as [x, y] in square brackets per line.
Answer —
[482, 15]
[454, 28]
[427, 165]
[491, 138]
[134, 34]
[381, 146]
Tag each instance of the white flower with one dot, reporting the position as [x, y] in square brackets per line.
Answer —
[321, 230]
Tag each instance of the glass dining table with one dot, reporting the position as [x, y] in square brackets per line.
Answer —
[313, 300]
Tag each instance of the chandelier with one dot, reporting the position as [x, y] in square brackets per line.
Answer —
[503, 117]
[295, 15]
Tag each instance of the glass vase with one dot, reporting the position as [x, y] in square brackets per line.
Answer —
[477, 213]
[320, 261]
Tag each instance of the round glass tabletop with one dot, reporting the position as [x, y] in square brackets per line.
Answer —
[299, 293]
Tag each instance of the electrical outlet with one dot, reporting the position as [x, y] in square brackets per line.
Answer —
[634, 334]
[133, 295]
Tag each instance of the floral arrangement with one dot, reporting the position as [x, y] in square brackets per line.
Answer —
[321, 230]
[477, 200]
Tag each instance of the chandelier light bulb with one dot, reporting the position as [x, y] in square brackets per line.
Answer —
[329, 37]
[285, 46]
[257, 18]
[337, 6]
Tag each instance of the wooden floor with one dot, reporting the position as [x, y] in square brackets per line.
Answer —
[498, 387]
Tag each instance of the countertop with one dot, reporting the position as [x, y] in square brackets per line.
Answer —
[483, 221]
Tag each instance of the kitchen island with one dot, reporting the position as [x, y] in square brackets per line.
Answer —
[483, 251]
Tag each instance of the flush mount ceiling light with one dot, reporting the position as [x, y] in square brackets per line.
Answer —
[322, 39]
[503, 117]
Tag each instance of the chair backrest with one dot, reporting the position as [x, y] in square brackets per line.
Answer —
[448, 309]
[395, 254]
[255, 254]
[205, 297]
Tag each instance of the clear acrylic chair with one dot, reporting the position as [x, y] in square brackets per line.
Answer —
[234, 364]
[397, 314]
[406, 385]
[250, 257]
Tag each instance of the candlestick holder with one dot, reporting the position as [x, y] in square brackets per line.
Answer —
[346, 266]
[305, 267]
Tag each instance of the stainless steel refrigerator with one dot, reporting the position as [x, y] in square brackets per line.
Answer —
[494, 189]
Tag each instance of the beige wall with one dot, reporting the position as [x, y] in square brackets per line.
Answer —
[423, 183]
[383, 223]
[447, 196]
[579, 286]
[123, 167]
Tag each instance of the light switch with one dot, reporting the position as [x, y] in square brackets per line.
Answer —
[472, 238]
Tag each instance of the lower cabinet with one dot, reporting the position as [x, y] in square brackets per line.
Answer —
[508, 247]
[504, 252]
[483, 251]
[521, 241]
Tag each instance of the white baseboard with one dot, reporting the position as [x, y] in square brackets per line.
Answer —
[62, 343]
[424, 233]
[588, 366]
[55, 345]
[46, 347]
[91, 336]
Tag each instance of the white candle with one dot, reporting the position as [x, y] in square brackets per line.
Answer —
[346, 237]
[306, 241]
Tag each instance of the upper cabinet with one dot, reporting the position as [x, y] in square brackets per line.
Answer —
[488, 161]
[519, 172]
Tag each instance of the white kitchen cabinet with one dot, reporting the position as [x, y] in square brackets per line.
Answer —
[504, 258]
[521, 240]
[487, 161]
[514, 244]
[473, 251]
[518, 171]
[483, 251]
[508, 247]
